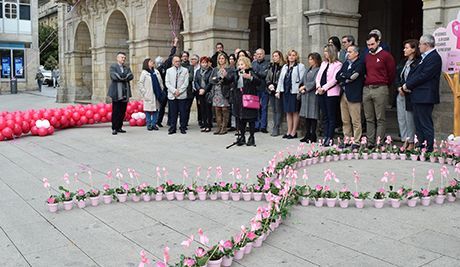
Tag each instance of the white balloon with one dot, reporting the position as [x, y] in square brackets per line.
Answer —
[142, 115]
[39, 123]
[134, 116]
[46, 124]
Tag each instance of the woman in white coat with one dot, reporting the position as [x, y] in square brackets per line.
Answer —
[150, 86]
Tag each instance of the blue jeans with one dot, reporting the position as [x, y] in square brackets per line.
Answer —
[151, 118]
[261, 122]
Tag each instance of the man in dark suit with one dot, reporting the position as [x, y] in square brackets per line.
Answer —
[423, 85]
[119, 91]
[351, 79]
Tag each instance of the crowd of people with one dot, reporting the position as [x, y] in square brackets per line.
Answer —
[346, 87]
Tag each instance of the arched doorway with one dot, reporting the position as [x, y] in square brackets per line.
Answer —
[259, 35]
[83, 63]
[165, 23]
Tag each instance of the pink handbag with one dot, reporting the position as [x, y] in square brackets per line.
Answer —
[251, 101]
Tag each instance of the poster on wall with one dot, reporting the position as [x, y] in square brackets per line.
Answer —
[6, 67]
[19, 67]
[448, 45]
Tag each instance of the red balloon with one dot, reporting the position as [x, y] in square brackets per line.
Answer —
[83, 120]
[82, 111]
[1, 137]
[10, 123]
[7, 133]
[76, 116]
[17, 130]
[53, 121]
[91, 121]
[100, 105]
[47, 115]
[2, 123]
[25, 127]
[42, 131]
[109, 116]
[108, 107]
[35, 116]
[9, 116]
[89, 114]
[97, 117]
[129, 110]
[72, 123]
[18, 119]
[140, 122]
[132, 122]
[27, 117]
[102, 112]
[50, 130]
[68, 114]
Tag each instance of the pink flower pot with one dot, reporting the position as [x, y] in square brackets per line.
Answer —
[309, 161]
[365, 156]
[146, 197]
[202, 195]
[330, 202]
[135, 198]
[179, 195]
[450, 197]
[350, 156]
[449, 161]
[343, 156]
[432, 159]
[336, 157]
[68, 205]
[248, 248]
[122, 197]
[304, 201]
[378, 203]
[359, 203]
[393, 156]
[356, 155]
[107, 199]
[402, 156]
[304, 163]
[215, 263]
[412, 202]
[425, 201]
[422, 158]
[227, 261]
[328, 158]
[414, 157]
[52, 207]
[81, 204]
[384, 155]
[213, 196]
[158, 196]
[235, 196]
[440, 199]
[395, 203]
[441, 160]
[191, 196]
[321, 159]
[266, 196]
[343, 203]
[314, 160]
[319, 202]
[257, 196]
[170, 195]
[247, 196]
[375, 155]
[94, 201]
[239, 254]
[258, 242]
[224, 195]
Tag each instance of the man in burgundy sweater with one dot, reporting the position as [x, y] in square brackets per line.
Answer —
[380, 73]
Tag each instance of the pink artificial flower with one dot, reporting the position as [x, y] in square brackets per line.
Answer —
[125, 186]
[106, 187]
[51, 200]
[189, 262]
[144, 260]
[344, 189]
[160, 188]
[169, 182]
[255, 225]
[95, 191]
[410, 194]
[355, 194]
[319, 187]
[200, 189]
[425, 192]
[161, 264]
[228, 244]
[234, 186]
[327, 188]
[203, 238]
[382, 190]
[200, 252]
[188, 242]
[453, 183]
[388, 140]
[251, 236]
[144, 185]
[400, 191]
[81, 192]
[245, 188]
[277, 183]
[266, 187]
[222, 184]
[67, 195]
[46, 184]
[441, 191]
[166, 255]
[257, 188]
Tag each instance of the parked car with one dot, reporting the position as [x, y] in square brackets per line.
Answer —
[47, 79]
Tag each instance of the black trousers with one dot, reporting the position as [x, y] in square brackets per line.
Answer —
[161, 114]
[118, 114]
[188, 109]
[328, 106]
[178, 108]
[252, 126]
[206, 111]
[423, 121]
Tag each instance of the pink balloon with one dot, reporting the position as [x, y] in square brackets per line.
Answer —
[7, 133]
[132, 122]
[42, 131]
[50, 130]
[25, 127]
[89, 114]
[97, 117]
[140, 122]
[83, 120]
[10, 124]
[76, 116]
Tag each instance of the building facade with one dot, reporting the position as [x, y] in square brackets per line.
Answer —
[47, 12]
[91, 32]
[19, 50]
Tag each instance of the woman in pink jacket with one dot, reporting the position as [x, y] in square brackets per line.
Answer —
[328, 91]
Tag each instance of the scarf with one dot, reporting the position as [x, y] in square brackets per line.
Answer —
[156, 86]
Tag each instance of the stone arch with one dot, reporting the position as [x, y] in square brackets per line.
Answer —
[117, 32]
[166, 17]
[83, 63]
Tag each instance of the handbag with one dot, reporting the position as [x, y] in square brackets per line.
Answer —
[251, 102]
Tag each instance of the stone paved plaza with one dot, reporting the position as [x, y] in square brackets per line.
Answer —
[113, 235]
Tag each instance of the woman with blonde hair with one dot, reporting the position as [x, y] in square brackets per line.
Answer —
[245, 83]
[221, 80]
[328, 91]
[291, 77]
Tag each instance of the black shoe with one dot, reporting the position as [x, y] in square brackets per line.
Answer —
[183, 131]
[241, 141]
[342, 146]
[160, 125]
[292, 136]
[121, 131]
[155, 128]
[256, 130]
[264, 130]
[231, 129]
[313, 138]
[114, 132]
[305, 139]
[251, 141]
[171, 131]
[150, 128]
[286, 136]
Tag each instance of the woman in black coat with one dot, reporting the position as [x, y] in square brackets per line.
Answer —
[202, 84]
[245, 83]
